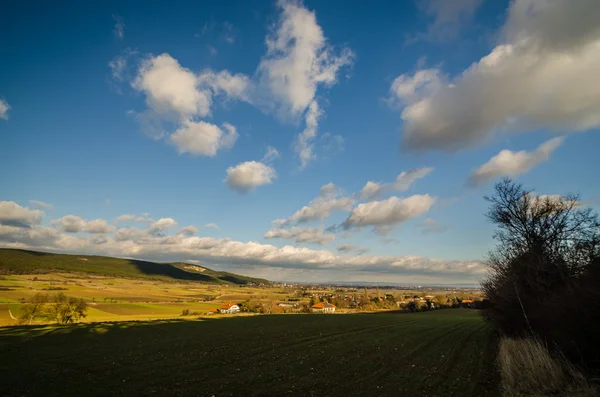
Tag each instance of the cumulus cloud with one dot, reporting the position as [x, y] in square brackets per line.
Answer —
[212, 225]
[541, 75]
[4, 108]
[119, 29]
[117, 66]
[161, 226]
[141, 244]
[203, 139]
[171, 89]
[188, 231]
[301, 235]
[403, 181]
[40, 205]
[76, 224]
[297, 62]
[385, 214]
[249, 175]
[449, 17]
[12, 214]
[330, 199]
[509, 163]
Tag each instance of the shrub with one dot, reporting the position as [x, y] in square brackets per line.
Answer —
[543, 276]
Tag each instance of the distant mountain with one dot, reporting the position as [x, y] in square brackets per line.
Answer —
[15, 261]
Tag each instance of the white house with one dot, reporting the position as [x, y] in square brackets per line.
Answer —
[323, 307]
[229, 308]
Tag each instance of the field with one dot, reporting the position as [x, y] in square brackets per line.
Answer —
[443, 353]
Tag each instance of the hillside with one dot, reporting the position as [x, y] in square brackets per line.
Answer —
[14, 261]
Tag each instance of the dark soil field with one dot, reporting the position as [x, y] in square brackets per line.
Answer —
[445, 353]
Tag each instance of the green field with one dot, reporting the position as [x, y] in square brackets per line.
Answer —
[443, 353]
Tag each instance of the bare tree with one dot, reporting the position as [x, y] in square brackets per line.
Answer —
[35, 308]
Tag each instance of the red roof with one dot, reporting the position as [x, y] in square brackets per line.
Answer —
[322, 305]
[227, 306]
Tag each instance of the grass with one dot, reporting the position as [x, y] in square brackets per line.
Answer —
[529, 369]
[444, 353]
[14, 261]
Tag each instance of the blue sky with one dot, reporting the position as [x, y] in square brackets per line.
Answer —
[239, 114]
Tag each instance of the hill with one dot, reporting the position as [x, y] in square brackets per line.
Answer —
[15, 261]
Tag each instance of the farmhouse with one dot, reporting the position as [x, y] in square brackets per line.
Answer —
[229, 308]
[323, 307]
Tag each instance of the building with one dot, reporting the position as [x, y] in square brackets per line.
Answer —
[229, 308]
[323, 307]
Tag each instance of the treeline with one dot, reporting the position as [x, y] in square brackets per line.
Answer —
[57, 308]
[544, 275]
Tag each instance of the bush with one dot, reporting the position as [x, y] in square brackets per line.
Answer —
[543, 276]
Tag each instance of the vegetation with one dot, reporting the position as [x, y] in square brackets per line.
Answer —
[544, 274]
[58, 308]
[528, 368]
[13, 261]
[439, 353]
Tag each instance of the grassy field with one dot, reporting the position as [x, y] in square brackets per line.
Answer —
[444, 353]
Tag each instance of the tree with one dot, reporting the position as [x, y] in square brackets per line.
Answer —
[541, 273]
[65, 310]
[35, 308]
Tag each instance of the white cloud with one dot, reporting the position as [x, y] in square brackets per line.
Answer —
[188, 231]
[449, 17]
[4, 108]
[144, 218]
[228, 34]
[170, 89]
[509, 163]
[297, 62]
[403, 181]
[330, 199]
[40, 205]
[203, 139]
[126, 218]
[386, 214]
[212, 225]
[76, 224]
[249, 175]
[119, 29]
[542, 75]
[161, 225]
[236, 86]
[301, 235]
[12, 214]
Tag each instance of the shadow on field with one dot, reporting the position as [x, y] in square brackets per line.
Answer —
[162, 269]
[264, 355]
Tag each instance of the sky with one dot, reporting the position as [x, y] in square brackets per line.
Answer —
[296, 141]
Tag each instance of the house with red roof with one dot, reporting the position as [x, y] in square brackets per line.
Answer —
[323, 307]
[229, 308]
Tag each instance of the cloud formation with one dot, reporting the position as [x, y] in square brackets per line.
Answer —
[384, 215]
[249, 175]
[119, 29]
[330, 199]
[12, 214]
[509, 163]
[4, 108]
[301, 235]
[449, 18]
[298, 61]
[404, 180]
[40, 205]
[203, 139]
[150, 245]
[432, 226]
[76, 224]
[541, 75]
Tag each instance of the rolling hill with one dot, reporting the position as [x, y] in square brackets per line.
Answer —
[15, 261]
